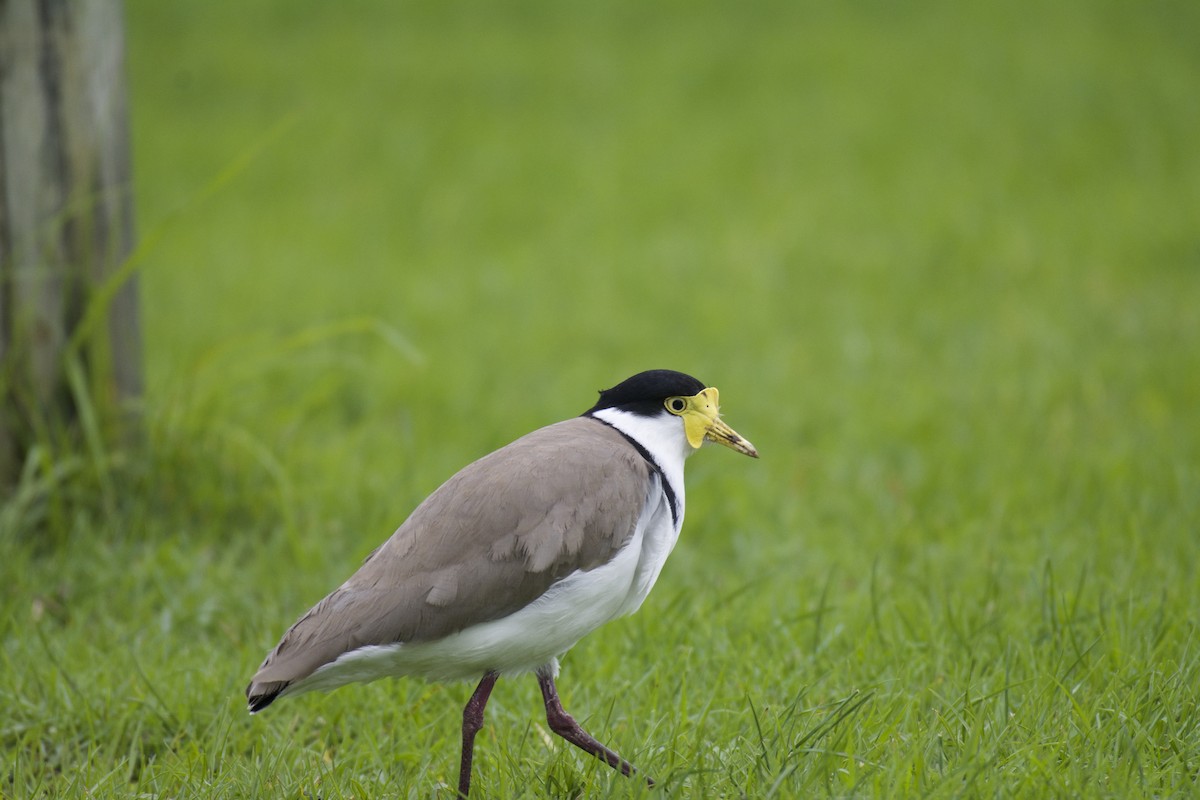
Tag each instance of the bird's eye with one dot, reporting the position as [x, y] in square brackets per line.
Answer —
[676, 405]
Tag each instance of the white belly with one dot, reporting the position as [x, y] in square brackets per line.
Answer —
[532, 637]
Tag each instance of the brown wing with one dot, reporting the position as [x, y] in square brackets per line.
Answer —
[488, 542]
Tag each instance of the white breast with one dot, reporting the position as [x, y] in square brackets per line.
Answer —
[662, 532]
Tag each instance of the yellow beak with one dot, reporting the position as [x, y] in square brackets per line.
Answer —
[702, 421]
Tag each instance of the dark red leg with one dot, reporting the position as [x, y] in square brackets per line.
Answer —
[472, 722]
[565, 726]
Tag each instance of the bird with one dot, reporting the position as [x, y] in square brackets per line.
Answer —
[514, 559]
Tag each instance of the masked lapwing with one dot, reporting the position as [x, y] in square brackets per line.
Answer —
[515, 559]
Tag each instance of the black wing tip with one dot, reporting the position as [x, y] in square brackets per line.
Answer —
[259, 696]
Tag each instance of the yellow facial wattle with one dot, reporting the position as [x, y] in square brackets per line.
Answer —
[702, 420]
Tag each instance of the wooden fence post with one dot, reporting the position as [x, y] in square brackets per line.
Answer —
[66, 226]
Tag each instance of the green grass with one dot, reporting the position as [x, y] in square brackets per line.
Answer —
[943, 261]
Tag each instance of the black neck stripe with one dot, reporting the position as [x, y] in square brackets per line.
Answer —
[662, 478]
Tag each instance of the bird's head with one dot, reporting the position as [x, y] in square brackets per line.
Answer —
[655, 391]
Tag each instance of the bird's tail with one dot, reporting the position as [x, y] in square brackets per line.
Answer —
[261, 695]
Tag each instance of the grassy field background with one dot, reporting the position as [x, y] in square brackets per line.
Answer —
[942, 260]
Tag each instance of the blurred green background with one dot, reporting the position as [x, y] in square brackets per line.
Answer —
[925, 236]
[942, 260]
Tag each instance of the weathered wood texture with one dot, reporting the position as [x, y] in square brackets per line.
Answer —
[66, 220]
